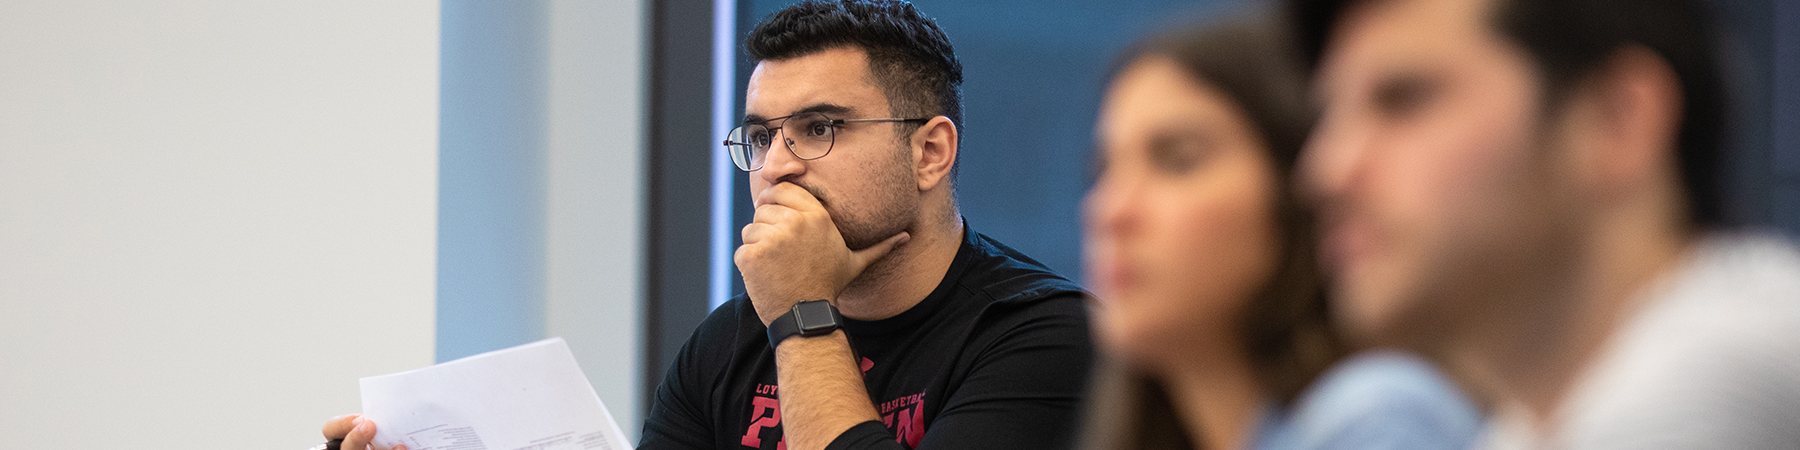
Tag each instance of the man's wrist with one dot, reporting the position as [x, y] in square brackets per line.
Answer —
[767, 317]
[815, 348]
[805, 319]
[822, 390]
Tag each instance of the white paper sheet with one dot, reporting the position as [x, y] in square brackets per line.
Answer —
[530, 397]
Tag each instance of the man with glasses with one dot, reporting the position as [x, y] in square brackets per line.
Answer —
[1529, 192]
[873, 318]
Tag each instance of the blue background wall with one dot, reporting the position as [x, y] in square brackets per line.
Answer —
[1033, 72]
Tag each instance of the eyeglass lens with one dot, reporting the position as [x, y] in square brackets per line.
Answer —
[809, 136]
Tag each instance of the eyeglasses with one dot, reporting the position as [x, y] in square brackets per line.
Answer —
[809, 136]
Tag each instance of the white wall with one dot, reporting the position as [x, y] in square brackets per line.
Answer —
[214, 216]
[595, 194]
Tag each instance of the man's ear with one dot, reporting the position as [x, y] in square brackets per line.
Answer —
[934, 148]
[1633, 122]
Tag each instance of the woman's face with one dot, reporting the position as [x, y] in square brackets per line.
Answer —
[1180, 224]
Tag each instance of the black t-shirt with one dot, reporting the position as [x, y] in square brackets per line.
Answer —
[997, 357]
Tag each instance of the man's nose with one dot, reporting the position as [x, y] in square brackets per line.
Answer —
[1332, 160]
[780, 163]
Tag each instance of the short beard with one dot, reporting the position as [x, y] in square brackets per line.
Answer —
[893, 208]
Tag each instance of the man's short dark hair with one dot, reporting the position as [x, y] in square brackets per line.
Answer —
[1570, 39]
[909, 56]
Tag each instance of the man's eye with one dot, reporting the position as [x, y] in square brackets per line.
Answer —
[819, 129]
[1404, 96]
[760, 139]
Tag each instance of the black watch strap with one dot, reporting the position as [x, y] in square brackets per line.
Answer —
[808, 318]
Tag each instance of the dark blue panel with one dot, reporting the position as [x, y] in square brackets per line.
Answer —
[1787, 115]
[1787, 207]
[1746, 51]
[1787, 91]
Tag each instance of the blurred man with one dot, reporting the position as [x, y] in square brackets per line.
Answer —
[1528, 191]
[874, 319]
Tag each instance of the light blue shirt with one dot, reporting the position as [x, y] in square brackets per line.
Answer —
[1374, 400]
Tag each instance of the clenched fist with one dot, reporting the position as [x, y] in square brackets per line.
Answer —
[792, 252]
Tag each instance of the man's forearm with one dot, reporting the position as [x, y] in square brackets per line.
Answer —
[822, 392]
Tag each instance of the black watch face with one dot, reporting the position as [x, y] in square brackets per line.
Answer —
[814, 317]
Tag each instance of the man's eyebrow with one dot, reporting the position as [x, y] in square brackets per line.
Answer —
[825, 108]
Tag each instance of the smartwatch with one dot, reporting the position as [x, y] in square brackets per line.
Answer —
[808, 318]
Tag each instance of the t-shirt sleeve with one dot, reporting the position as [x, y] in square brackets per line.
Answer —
[679, 418]
[675, 420]
[1025, 387]
[871, 435]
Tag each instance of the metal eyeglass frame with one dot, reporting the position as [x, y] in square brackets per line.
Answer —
[743, 158]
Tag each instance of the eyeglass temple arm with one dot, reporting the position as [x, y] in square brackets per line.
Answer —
[895, 119]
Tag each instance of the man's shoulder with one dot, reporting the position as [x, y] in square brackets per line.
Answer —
[727, 319]
[1712, 355]
[1754, 264]
[718, 335]
[1734, 291]
[1012, 291]
[1008, 276]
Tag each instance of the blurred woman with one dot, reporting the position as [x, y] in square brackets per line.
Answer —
[1213, 311]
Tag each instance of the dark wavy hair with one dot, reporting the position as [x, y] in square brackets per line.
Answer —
[909, 56]
[1289, 334]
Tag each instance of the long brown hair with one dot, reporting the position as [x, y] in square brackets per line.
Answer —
[1288, 331]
